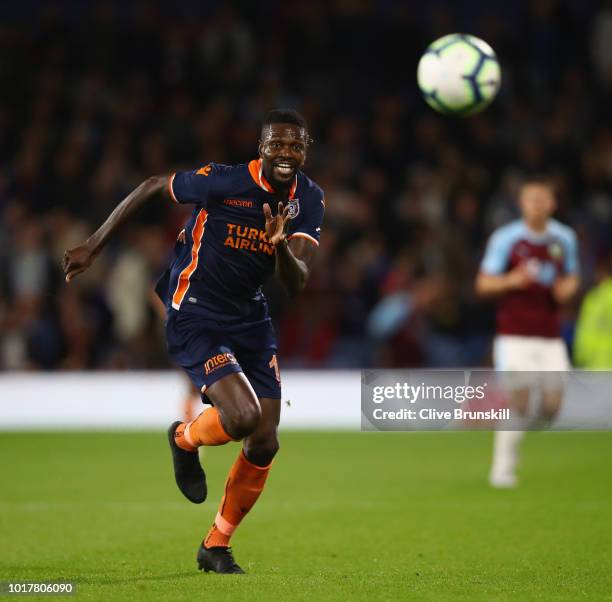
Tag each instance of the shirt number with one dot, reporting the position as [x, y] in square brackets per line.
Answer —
[274, 364]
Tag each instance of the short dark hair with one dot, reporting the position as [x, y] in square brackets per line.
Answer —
[284, 116]
[538, 179]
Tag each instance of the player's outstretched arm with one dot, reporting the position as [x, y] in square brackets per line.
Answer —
[78, 259]
[293, 259]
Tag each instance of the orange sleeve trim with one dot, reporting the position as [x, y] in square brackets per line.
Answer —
[183, 281]
[312, 239]
[170, 190]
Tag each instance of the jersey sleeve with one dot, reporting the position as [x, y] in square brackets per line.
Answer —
[307, 222]
[571, 262]
[495, 260]
[195, 186]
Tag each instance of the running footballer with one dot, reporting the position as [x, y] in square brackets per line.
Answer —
[531, 268]
[249, 221]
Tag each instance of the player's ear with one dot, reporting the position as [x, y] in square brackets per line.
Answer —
[260, 149]
[309, 141]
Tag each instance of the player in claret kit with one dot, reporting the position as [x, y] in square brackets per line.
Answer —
[218, 328]
[531, 267]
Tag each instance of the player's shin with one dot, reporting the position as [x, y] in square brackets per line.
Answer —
[505, 452]
[243, 487]
[206, 429]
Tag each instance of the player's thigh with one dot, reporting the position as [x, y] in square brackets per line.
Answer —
[511, 356]
[512, 353]
[256, 350]
[553, 362]
[206, 355]
[554, 355]
[262, 445]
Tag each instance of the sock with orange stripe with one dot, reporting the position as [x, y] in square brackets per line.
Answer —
[206, 429]
[243, 487]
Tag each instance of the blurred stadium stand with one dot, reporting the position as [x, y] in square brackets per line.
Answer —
[98, 96]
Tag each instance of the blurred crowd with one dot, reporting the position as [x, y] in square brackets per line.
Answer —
[98, 96]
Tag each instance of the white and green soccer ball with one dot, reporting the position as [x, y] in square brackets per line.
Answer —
[459, 74]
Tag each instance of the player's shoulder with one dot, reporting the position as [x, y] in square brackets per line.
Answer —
[509, 233]
[225, 178]
[222, 170]
[562, 231]
[310, 190]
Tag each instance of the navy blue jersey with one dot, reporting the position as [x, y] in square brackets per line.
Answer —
[227, 256]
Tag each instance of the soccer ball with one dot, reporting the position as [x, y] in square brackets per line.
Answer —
[459, 74]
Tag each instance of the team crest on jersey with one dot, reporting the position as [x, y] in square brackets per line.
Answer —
[555, 250]
[294, 208]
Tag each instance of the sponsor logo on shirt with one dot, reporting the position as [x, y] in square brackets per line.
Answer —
[248, 238]
[238, 203]
[555, 250]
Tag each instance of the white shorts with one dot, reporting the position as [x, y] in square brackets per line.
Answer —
[530, 354]
[513, 352]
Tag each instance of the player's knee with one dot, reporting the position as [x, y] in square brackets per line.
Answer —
[243, 419]
[262, 451]
[550, 406]
[549, 412]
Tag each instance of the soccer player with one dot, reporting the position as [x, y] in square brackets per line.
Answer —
[218, 328]
[531, 267]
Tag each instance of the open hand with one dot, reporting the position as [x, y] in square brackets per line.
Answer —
[276, 225]
[77, 260]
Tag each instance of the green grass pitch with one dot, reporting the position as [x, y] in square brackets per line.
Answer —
[345, 516]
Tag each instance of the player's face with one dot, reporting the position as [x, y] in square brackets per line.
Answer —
[537, 203]
[282, 149]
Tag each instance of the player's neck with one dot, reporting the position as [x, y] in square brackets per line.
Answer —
[280, 190]
[537, 227]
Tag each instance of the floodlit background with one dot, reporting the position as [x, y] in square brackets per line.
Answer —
[98, 96]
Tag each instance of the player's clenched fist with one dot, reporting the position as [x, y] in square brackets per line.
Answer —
[520, 277]
[77, 260]
[276, 225]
